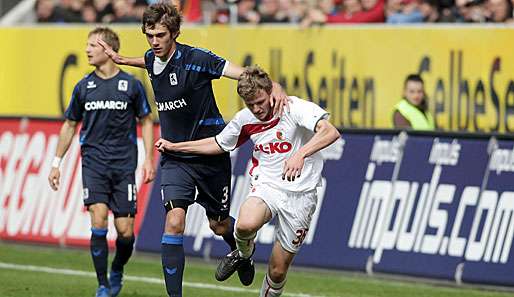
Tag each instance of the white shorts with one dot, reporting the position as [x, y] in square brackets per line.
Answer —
[293, 210]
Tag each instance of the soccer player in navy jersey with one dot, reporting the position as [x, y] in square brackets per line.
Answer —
[108, 101]
[181, 78]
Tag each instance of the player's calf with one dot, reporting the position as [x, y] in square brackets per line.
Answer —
[225, 229]
[244, 241]
[124, 248]
[99, 255]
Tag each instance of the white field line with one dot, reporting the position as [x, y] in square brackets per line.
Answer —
[143, 279]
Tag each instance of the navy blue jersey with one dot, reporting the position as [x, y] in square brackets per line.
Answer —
[184, 96]
[108, 109]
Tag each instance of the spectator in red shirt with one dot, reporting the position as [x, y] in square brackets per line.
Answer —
[371, 11]
[354, 11]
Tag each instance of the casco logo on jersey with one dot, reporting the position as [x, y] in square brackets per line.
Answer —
[171, 105]
[110, 104]
[274, 147]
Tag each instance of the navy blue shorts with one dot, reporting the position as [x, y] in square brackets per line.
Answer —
[210, 175]
[116, 188]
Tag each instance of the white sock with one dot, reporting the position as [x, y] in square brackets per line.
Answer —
[270, 288]
[244, 244]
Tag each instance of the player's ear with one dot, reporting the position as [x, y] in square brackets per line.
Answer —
[175, 35]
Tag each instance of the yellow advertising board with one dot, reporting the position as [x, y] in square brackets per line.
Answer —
[356, 73]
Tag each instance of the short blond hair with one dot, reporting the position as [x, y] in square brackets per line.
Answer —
[252, 80]
[109, 36]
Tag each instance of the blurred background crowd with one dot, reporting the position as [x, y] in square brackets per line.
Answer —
[302, 12]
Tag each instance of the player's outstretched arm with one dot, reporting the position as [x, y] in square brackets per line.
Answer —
[65, 138]
[206, 146]
[325, 135]
[119, 59]
[147, 131]
[233, 71]
[278, 97]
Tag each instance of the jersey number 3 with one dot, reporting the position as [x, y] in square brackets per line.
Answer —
[300, 236]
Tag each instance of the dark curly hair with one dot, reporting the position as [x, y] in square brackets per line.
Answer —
[165, 14]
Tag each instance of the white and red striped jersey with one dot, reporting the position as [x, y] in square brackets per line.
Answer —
[277, 140]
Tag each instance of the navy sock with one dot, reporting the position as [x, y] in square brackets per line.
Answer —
[229, 236]
[173, 260]
[124, 248]
[100, 253]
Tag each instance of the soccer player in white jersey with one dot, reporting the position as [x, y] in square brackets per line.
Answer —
[286, 171]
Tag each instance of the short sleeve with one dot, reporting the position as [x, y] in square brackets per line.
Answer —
[307, 114]
[149, 57]
[75, 109]
[141, 102]
[230, 137]
[208, 65]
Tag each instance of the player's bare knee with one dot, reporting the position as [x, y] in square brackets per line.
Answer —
[98, 222]
[99, 225]
[98, 213]
[125, 232]
[277, 273]
[174, 226]
[245, 227]
[219, 228]
[175, 221]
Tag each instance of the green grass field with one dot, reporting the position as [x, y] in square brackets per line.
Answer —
[28, 270]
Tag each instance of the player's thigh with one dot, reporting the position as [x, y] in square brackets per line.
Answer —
[213, 180]
[253, 214]
[294, 218]
[123, 201]
[279, 262]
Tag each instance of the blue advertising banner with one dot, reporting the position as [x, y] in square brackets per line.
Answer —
[430, 206]
[433, 201]
[360, 180]
[489, 254]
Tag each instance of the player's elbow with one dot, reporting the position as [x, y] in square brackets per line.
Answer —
[333, 134]
[328, 131]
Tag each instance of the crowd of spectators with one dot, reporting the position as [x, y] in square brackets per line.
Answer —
[303, 12]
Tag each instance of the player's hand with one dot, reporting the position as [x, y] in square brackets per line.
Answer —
[163, 145]
[148, 171]
[109, 51]
[293, 167]
[53, 178]
[278, 99]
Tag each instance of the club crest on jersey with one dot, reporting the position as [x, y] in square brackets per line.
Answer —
[90, 85]
[173, 79]
[122, 85]
[280, 135]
